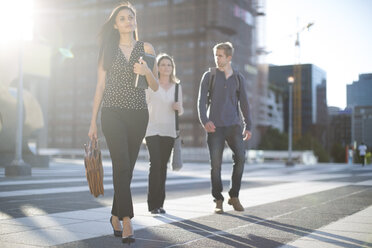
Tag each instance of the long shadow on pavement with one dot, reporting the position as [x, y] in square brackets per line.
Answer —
[301, 231]
[215, 235]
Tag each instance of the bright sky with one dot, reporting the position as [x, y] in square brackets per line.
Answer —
[16, 20]
[340, 42]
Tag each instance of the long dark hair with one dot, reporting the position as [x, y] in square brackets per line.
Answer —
[110, 37]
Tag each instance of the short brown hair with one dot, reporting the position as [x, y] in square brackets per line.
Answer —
[226, 46]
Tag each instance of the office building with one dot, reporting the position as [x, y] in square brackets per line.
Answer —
[359, 93]
[314, 110]
[361, 121]
[359, 99]
[339, 131]
[270, 108]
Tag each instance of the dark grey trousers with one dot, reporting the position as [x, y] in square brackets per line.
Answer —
[124, 130]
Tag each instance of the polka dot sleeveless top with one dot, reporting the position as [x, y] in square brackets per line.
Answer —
[119, 90]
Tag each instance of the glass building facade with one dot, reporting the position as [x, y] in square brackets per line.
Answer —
[359, 99]
[314, 109]
[340, 127]
[359, 93]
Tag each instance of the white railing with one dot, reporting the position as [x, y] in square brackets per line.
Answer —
[201, 154]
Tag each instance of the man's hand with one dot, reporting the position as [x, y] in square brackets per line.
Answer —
[210, 127]
[247, 135]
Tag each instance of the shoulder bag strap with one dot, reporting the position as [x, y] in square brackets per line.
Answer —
[176, 100]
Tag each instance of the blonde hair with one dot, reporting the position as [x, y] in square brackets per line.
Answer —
[173, 78]
[226, 46]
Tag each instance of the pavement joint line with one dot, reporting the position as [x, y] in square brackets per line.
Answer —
[152, 240]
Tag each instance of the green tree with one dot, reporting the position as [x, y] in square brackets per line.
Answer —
[338, 153]
[273, 139]
[307, 142]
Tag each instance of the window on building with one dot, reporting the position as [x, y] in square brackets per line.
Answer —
[158, 3]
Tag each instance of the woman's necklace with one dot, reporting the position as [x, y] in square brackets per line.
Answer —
[126, 49]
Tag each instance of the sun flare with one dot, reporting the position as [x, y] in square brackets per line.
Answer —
[16, 20]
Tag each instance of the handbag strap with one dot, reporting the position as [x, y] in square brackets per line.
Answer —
[93, 144]
[176, 112]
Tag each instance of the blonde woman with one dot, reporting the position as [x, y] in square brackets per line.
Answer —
[161, 130]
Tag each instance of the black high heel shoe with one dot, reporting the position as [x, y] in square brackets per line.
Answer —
[128, 240]
[116, 233]
[162, 210]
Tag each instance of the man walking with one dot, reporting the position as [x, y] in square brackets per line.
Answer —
[222, 97]
[362, 152]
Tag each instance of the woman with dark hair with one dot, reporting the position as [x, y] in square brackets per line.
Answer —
[124, 115]
[161, 130]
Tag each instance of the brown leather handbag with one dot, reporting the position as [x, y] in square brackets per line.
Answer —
[94, 168]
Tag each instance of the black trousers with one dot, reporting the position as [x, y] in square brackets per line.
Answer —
[160, 148]
[124, 130]
[363, 159]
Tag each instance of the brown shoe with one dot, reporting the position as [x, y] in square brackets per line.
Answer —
[234, 201]
[219, 208]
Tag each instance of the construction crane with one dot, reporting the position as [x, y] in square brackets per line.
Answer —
[297, 99]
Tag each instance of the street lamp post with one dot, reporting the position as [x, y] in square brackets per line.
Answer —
[362, 112]
[18, 19]
[290, 83]
[18, 167]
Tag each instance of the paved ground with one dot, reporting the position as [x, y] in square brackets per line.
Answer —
[324, 205]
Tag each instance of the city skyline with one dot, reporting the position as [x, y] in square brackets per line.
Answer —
[338, 42]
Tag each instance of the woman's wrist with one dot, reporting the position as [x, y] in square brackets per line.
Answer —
[147, 71]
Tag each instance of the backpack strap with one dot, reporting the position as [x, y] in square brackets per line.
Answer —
[212, 79]
[237, 79]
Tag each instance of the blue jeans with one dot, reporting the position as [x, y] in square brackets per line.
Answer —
[216, 143]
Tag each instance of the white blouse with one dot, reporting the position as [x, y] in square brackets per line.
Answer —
[161, 114]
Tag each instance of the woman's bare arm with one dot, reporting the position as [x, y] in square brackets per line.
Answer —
[101, 82]
[152, 76]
